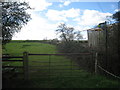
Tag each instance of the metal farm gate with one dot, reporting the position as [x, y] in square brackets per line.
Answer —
[54, 65]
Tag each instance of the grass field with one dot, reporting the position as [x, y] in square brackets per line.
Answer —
[53, 71]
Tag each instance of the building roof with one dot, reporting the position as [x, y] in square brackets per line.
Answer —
[95, 29]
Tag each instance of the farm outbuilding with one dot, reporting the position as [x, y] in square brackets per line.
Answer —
[106, 41]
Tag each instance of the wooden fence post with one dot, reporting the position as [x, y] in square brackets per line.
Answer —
[96, 55]
[25, 65]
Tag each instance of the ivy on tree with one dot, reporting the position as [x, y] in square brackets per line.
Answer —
[14, 16]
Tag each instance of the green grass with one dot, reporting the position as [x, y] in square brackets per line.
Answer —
[59, 73]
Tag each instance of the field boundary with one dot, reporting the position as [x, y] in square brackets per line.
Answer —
[25, 61]
[63, 54]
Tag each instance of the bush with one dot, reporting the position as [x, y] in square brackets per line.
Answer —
[84, 61]
[73, 47]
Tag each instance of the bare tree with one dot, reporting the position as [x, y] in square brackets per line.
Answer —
[68, 33]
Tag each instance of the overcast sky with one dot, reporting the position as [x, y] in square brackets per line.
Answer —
[46, 16]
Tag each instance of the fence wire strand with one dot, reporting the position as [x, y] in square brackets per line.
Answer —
[108, 72]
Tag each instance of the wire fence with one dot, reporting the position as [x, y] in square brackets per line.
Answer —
[108, 72]
[96, 65]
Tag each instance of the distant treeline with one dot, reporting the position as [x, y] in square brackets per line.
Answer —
[39, 41]
[54, 41]
[17, 41]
